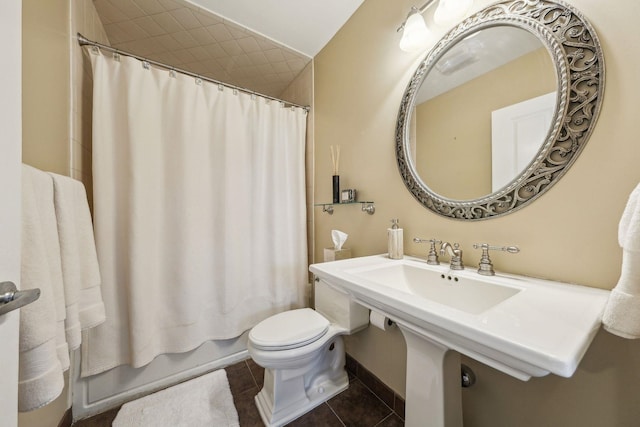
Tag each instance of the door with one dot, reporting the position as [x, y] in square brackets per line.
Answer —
[10, 199]
[517, 133]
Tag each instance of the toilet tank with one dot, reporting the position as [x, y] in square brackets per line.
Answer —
[339, 309]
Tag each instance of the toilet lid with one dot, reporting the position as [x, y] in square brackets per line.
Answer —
[289, 329]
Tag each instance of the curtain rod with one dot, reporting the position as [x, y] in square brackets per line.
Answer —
[83, 41]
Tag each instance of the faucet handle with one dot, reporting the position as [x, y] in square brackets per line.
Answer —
[432, 256]
[510, 249]
[485, 267]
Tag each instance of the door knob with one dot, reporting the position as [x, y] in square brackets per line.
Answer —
[11, 298]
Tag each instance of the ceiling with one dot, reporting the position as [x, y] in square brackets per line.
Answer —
[261, 45]
[476, 55]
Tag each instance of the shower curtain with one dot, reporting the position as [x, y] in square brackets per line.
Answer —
[199, 211]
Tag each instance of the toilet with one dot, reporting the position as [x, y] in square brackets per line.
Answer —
[303, 354]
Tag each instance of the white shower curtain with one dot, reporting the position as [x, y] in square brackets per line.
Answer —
[199, 206]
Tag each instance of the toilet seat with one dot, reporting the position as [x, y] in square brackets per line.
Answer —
[289, 330]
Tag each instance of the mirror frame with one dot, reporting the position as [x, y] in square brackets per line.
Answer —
[579, 66]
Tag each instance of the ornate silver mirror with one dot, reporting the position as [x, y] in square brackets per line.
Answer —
[499, 109]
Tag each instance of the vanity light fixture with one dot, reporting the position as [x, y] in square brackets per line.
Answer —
[415, 33]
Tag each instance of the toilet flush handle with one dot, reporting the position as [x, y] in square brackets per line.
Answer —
[317, 280]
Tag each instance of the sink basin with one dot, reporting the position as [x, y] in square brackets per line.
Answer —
[448, 288]
[519, 325]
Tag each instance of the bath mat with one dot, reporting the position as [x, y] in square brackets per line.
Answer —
[203, 401]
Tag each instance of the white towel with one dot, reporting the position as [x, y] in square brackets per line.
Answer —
[83, 296]
[40, 378]
[622, 312]
[629, 226]
[43, 186]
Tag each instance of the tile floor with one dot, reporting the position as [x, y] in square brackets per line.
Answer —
[357, 406]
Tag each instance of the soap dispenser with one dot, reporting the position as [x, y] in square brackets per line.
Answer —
[395, 244]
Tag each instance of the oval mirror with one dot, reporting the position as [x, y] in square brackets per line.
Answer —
[499, 109]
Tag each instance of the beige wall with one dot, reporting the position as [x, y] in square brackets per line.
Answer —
[57, 91]
[57, 112]
[457, 124]
[45, 85]
[569, 234]
[45, 122]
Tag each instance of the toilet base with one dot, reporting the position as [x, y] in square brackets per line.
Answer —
[322, 393]
[291, 392]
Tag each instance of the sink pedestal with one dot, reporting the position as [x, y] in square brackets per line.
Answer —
[433, 396]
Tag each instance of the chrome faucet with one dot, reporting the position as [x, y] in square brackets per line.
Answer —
[456, 255]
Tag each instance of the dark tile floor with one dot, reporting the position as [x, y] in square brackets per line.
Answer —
[357, 406]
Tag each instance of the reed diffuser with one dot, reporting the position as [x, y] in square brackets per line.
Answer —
[335, 160]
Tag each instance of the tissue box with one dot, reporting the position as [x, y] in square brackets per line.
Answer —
[331, 254]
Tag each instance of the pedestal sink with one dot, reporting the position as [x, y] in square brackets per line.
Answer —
[519, 325]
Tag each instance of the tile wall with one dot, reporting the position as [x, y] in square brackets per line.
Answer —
[84, 20]
[300, 91]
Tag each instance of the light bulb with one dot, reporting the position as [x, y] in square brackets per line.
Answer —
[450, 11]
[415, 35]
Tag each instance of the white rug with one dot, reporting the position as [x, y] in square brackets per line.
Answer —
[203, 401]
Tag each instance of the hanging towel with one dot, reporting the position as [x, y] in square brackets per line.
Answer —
[43, 186]
[80, 270]
[40, 378]
[622, 312]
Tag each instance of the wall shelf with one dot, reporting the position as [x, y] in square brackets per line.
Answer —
[367, 207]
